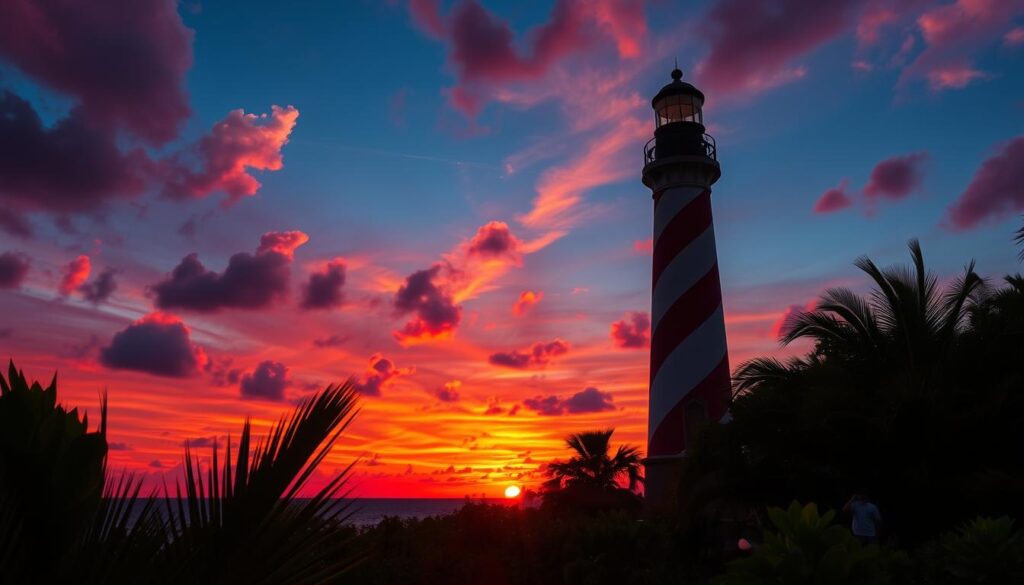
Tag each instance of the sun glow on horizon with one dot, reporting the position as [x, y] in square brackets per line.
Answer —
[512, 491]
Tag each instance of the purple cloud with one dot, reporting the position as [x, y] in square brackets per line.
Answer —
[267, 382]
[158, 344]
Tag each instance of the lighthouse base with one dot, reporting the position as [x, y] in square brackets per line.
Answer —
[661, 483]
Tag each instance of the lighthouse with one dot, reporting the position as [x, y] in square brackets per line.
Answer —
[689, 381]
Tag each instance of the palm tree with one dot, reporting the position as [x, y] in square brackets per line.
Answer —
[592, 464]
[911, 391]
[65, 518]
[907, 321]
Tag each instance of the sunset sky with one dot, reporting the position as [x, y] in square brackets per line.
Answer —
[212, 209]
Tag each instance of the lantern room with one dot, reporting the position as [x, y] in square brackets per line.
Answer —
[678, 102]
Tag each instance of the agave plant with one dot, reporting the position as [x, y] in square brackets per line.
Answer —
[64, 517]
[246, 524]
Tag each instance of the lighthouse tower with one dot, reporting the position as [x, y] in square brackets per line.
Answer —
[689, 360]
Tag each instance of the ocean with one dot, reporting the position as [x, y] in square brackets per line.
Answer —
[370, 511]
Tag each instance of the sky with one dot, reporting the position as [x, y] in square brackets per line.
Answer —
[211, 213]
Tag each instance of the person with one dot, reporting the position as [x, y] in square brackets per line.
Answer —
[866, 518]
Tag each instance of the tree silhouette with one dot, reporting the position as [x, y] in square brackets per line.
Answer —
[593, 465]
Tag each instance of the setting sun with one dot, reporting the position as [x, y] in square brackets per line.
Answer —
[512, 491]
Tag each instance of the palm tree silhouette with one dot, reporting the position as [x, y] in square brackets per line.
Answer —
[592, 464]
[907, 321]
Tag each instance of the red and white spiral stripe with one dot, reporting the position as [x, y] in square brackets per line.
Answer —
[689, 360]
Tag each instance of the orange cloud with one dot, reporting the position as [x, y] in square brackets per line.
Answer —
[527, 299]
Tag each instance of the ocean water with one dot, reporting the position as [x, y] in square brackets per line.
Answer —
[370, 511]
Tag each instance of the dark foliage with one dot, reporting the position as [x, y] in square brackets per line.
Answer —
[914, 392]
[64, 518]
[501, 545]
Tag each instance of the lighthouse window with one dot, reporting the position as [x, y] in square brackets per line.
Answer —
[678, 108]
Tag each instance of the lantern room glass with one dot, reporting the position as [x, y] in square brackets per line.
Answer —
[678, 108]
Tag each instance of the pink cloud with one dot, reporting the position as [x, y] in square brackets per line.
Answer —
[755, 45]
[157, 344]
[434, 311]
[953, 76]
[250, 281]
[224, 157]
[782, 325]
[268, 381]
[539, 354]
[71, 166]
[324, 289]
[283, 243]
[448, 392]
[426, 14]
[484, 53]
[896, 177]
[834, 199]
[75, 274]
[633, 331]
[1014, 37]
[588, 400]
[13, 269]
[872, 19]
[644, 246]
[100, 289]
[380, 374]
[996, 190]
[123, 62]
[951, 33]
[526, 300]
[495, 240]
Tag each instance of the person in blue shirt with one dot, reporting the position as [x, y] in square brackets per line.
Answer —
[867, 520]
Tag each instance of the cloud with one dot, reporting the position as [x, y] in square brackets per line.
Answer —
[953, 76]
[483, 50]
[525, 301]
[782, 324]
[754, 46]
[588, 400]
[267, 382]
[380, 374]
[633, 331]
[434, 312]
[449, 392]
[494, 241]
[73, 166]
[1014, 37]
[13, 269]
[896, 177]
[834, 199]
[494, 407]
[158, 344]
[249, 281]
[427, 17]
[997, 189]
[100, 289]
[323, 291]
[75, 274]
[539, 354]
[331, 341]
[952, 32]
[644, 246]
[123, 62]
[236, 144]
[15, 224]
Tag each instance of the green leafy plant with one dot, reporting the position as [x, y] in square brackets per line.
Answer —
[807, 547]
[65, 518]
[984, 550]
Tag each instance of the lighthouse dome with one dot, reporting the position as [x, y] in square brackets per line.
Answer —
[678, 101]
